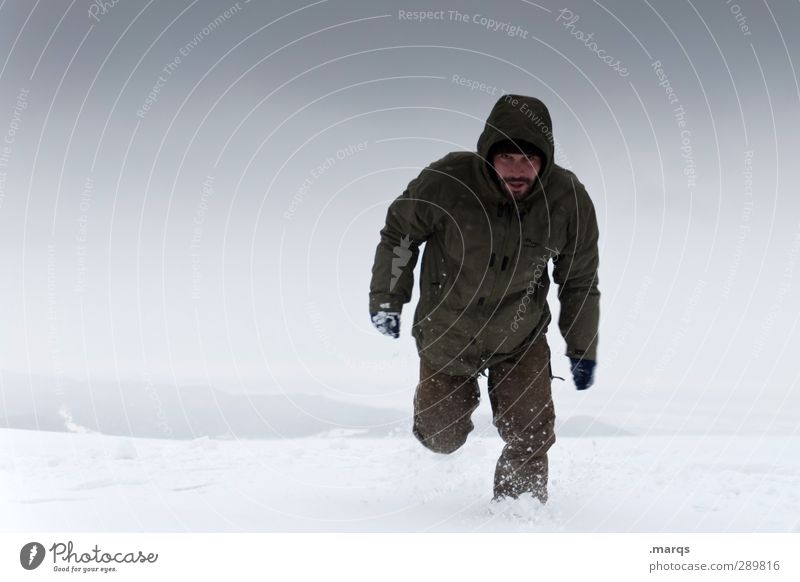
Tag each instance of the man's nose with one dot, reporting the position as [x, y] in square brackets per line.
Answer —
[523, 165]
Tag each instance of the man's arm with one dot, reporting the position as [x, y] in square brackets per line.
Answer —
[410, 220]
[575, 272]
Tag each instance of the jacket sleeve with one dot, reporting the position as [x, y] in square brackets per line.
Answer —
[575, 272]
[410, 221]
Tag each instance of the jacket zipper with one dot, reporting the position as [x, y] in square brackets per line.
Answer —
[503, 261]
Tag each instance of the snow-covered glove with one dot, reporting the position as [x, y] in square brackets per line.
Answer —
[387, 322]
[582, 372]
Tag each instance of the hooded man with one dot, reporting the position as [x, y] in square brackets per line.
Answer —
[491, 221]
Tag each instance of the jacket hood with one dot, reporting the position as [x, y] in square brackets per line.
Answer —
[518, 117]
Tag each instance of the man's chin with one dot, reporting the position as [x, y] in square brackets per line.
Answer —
[519, 194]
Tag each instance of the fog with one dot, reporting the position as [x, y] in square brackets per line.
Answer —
[191, 194]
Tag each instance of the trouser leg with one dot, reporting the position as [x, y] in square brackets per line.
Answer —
[522, 406]
[443, 405]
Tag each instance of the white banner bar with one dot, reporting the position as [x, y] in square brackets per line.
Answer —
[387, 557]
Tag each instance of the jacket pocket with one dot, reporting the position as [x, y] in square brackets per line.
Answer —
[531, 271]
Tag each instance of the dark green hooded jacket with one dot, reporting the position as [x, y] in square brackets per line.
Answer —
[484, 278]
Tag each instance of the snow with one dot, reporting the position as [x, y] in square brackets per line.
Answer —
[347, 480]
[160, 458]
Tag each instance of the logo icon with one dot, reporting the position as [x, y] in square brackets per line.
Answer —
[31, 555]
[402, 254]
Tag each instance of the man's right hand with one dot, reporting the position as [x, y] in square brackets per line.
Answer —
[582, 372]
[387, 322]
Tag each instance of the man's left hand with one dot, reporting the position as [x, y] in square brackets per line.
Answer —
[582, 372]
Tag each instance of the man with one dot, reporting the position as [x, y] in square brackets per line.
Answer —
[491, 222]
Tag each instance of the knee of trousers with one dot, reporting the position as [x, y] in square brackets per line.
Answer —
[537, 433]
[445, 440]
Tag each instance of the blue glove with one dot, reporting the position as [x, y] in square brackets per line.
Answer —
[387, 322]
[582, 372]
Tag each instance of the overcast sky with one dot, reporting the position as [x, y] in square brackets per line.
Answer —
[192, 191]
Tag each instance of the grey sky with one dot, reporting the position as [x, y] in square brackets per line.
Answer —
[194, 190]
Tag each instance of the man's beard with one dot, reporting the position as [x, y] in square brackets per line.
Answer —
[531, 184]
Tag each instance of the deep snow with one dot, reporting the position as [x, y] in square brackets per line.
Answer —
[345, 481]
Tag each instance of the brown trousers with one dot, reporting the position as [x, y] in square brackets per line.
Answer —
[522, 408]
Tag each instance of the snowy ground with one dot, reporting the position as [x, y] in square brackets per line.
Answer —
[346, 481]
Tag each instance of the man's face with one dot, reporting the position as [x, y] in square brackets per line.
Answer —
[517, 172]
